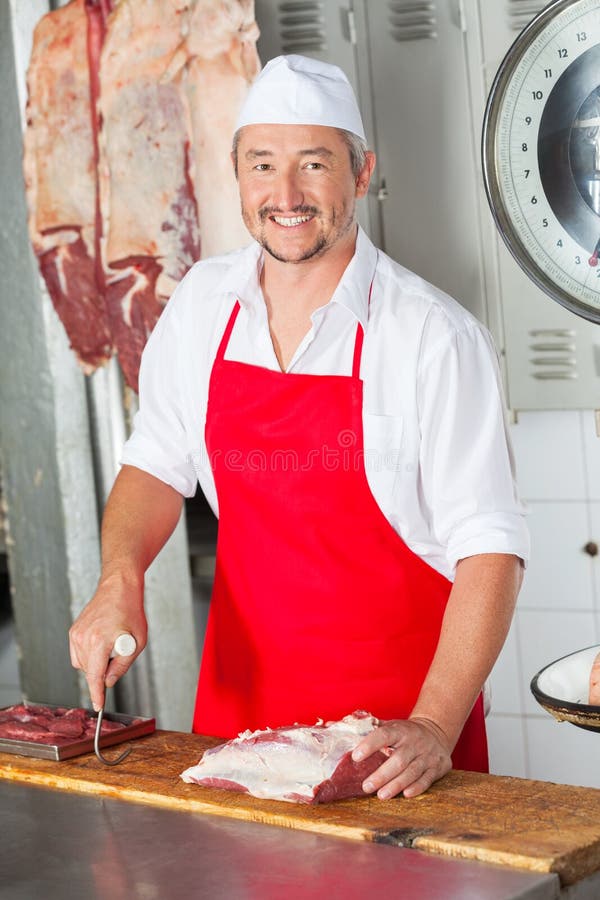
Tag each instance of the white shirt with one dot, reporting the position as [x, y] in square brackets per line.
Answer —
[437, 451]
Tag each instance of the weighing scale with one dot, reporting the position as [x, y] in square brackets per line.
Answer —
[541, 153]
[541, 164]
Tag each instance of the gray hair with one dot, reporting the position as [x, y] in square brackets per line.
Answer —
[357, 148]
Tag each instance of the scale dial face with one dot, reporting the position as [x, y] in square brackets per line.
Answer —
[541, 153]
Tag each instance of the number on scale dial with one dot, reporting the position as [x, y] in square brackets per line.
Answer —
[541, 152]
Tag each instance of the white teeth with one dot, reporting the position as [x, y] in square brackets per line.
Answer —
[293, 220]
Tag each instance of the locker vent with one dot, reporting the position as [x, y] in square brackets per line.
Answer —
[553, 354]
[521, 12]
[412, 20]
[302, 26]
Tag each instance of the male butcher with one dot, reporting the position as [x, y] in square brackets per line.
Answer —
[346, 421]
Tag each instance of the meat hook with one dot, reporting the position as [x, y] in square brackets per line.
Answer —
[124, 645]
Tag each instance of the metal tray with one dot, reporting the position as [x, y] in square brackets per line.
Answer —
[58, 752]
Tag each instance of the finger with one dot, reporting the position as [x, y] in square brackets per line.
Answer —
[75, 661]
[393, 767]
[420, 784]
[95, 674]
[117, 668]
[381, 737]
[407, 783]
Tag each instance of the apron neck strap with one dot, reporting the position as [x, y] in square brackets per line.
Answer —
[358, 344]
[227, 333]
[360, 335]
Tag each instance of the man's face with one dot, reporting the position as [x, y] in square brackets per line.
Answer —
[297, 189]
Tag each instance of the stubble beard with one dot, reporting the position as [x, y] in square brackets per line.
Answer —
[322, 242]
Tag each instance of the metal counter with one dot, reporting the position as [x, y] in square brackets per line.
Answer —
[58, 845]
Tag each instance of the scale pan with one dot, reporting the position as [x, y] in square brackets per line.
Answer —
[562, 688]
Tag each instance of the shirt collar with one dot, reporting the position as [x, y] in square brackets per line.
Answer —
[243, 278]
[355, 284]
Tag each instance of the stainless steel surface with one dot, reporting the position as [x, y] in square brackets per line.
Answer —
[135, 727]
[56, 845]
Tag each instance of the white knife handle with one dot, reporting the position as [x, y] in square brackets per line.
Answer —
[124, 645]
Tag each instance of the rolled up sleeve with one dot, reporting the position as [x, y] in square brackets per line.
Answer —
[466, 459]
[159, 444]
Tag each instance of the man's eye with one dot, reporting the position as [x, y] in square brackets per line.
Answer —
[262, 167]
[314, 165]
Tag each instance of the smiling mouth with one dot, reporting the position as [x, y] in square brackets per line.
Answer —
[290, 221]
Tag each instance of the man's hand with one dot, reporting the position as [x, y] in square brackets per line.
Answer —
[419, 756]
[140, 514]
[116, 608]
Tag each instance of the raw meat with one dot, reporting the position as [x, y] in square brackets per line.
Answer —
[60, 179]
[594, 698]
[51, 725]
[222, 61]
[147, 197]
[300, 764]
[130, 120]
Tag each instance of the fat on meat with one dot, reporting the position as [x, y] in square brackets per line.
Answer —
[146, 125]
[151, 235]
[298, 764]
[222, 61]
[60, 179]
[173, 75]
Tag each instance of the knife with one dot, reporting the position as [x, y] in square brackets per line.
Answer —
[124, 645]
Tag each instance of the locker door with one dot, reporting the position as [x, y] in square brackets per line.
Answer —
[423, 136]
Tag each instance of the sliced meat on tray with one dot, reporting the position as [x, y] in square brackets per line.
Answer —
[299, 764]
[50, 725]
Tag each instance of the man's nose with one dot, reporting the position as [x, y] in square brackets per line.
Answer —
[287, 192]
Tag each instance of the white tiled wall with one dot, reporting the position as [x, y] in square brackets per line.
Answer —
[558, 468]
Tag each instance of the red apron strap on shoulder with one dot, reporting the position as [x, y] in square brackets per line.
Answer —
[227, 333]
[360, 334]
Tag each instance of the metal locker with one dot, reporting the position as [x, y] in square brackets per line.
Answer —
[327, 30]
[423, 137]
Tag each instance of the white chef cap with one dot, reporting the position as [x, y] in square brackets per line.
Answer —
[299, 90]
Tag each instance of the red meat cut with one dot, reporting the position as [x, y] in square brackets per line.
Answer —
[132, 107]
[299, 764]
[50, 725]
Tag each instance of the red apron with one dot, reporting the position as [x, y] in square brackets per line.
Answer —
[318, 607]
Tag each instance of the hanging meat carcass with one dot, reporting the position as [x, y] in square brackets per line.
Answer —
[60, 180]
[173, 76]
[170, 79]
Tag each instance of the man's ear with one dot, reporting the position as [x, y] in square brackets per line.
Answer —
[364, 176]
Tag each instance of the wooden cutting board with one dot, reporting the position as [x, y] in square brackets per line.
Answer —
[531, 825]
